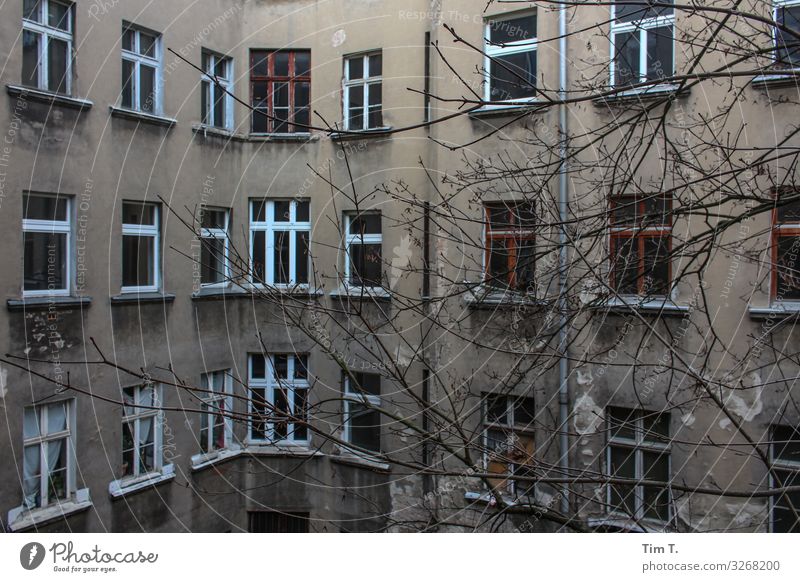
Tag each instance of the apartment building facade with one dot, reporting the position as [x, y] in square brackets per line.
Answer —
[228, 232]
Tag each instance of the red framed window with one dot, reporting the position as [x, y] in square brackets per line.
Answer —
[786, 247]
[509, 245]
[641, 237]
[280, 90]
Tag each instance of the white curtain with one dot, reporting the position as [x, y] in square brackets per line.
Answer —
[56, 422]
[31, 478]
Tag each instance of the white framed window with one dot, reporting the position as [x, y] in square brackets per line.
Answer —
[785, 455]
[216, 425]
[638, 449]
[214, 246]
[509, 441]
[216, 81]
[47, 36]
[363, 91]
[47, 242]
[787, 45]
[510, 44]
[279, 242]
[141, 252]
[362, 417]
[279, 386]
[142, 427]
[363, 265]
[49, 455]
[642, 43]
[141, 70]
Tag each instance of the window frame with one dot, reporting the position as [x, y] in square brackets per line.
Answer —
[138, 59]
[366, 82]
[780, 465]
[268, 385]
[510, 427]
[216, 234]
[638, 446]
[155, 412]
[45, 32]
[513, 233]
[270, 79]
[492, 51]
[150, 231]
[208, 82]
[642, 25]
[776, 6]
[35, 225]
[221, 401]
[640, 234]
[371, 401]
[269, 226]
[781, 230]
[360, 239]
[68, 435]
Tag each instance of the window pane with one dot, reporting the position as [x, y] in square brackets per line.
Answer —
[498, 262]
[621, 423]
[219, 107]
[499, 216]
[57, 55]
[302, 63]
[257, 366]
[784, 520]
[365, 429]
[656, 266]
[628, 12]
[303, 211]
[128, 462]
[281, 210]
[375, 108]
[626, 60]
[375, 65]
[204, 428]
[56, 469]
[512, 30]
[147, 45]
[45, 261]
[213, 218]
[786, 443]
[30, 9]
[365, 384]
[788, 268]
[139, 213]
[524, 269]
[205, 111]
[212, 260]
[127, 84]
[138, 265]
[281, 366]
[259, 209]
[366, 265]
[656, 499]
[524, 412]
[147, 84]
[56, 418]
[281, 64]
[355, 113]
[30, 425]
[301, 94]
[258, 425]
[301, 366]
[128, 39]
[221, 67]
[30, 58]
[259, 61]
[301, 254]
[659, 53]
[524, 215]
[300, 432]
[281, 243]
[513, 76]
[656, 426]
[280, 426]
[788, 209]
[625, 267]
[59, 16]
[497, 409]
[355, 68]
[623, 466]
[31, 484]
[259, 256]
[369, 223]
[788, 44]
[44, 207]
[260, 121]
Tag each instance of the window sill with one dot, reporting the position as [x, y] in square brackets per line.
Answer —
[511, 109]
[349, 134]
[371, 293]
[485, 297]
[141, 116]
[210, 131]
[49, 302]
[639, 94]
[21, 518]
[205, 460]
[49, 98]
[651, 307]
[361, 460]
[258, 449]
[282, 137]
[645, 525]
[777, 78]
[123, 487]
[139, 298]
[782, 310]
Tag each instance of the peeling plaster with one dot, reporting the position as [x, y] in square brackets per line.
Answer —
[688, 419]
[586, 415]
[338, 38]
[747, 513]
[3, 383]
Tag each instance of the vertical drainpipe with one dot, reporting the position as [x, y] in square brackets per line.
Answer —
[563, 364]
